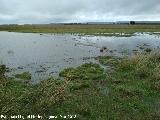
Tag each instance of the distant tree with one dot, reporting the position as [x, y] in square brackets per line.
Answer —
[132, 22]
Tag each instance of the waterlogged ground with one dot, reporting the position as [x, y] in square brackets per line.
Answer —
[45, 55]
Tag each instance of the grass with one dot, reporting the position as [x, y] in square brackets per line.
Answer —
[129, 30]
[131, 91]
[108, 60]
[24, 76]
[88, 71]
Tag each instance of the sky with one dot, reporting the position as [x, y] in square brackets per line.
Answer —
[50, 11]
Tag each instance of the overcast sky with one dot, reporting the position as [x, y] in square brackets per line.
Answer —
[49, 11]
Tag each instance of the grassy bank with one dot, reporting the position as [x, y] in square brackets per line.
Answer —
[130, 90]
[87, 29]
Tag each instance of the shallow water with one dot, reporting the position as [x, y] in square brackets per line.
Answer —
[46, 55]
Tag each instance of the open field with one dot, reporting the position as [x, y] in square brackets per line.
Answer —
[130, 90]
[86, 29]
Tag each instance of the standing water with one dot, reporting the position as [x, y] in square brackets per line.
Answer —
[46, 55]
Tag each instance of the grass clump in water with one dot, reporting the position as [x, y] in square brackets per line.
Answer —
[83, 75]
[108, 60]
[24, 76]
[87, 71]
[2, 70]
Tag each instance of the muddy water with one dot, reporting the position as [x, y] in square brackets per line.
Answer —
[46, 55]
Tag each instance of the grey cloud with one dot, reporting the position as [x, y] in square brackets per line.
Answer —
[46, 11]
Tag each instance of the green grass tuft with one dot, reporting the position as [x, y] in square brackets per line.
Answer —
[24, 76]
[87, 71]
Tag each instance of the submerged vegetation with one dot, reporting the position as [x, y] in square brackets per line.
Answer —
[130, 91]
[119, 34]
[24, 76]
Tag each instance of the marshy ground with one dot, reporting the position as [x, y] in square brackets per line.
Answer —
[131, 90]
[119, 85]
[45, 55]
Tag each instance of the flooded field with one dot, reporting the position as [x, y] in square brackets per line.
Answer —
[45, 55]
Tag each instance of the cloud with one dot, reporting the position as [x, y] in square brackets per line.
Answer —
[47, 11]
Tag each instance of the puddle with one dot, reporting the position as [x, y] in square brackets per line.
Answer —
[45, 55]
